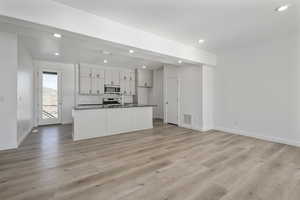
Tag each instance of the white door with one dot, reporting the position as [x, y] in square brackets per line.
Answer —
[49, 97]
[172, 101]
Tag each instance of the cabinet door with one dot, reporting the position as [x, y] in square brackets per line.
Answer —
[84, 71]
[148, 78]
[115, 77]
[97, 86]
[141, 78]
[132, 87]
[132, 76]
[97, 73]
[108, 77]
[101, 83]
[85, 85]
[124, 75]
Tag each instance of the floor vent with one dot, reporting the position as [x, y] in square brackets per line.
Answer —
[187, 119]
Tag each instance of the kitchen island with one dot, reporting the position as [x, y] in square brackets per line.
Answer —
[103, 120]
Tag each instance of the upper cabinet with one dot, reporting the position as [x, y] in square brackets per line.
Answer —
[91, 80]
[127, 82]
[144, 78]
[112, 77]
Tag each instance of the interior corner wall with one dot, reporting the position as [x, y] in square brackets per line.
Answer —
[8, 89]
[25, 93]
[257, 90]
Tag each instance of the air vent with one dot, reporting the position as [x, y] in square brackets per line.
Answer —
[187, 119]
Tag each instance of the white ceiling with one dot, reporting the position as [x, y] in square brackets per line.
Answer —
[222, 23]
[75, 48]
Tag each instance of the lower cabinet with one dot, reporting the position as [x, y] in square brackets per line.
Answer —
[89, 123]
[119, 120]
[103, 122]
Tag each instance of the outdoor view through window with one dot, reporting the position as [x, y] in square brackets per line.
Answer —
[50, 95]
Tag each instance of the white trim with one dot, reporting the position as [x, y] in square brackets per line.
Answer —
[258, 136]
[59, 73]
[178, 99]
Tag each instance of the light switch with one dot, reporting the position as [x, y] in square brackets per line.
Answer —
[1, 99]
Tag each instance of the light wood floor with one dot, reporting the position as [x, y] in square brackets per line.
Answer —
[164, 163]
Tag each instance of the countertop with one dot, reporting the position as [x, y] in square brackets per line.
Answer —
[101, 106]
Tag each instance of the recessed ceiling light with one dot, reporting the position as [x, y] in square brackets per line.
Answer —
[131, 51]
[144, 66]
[282, 8]
[56, 54]
[106, 52]
[105, 61]
[179, 61]
[201, 41]
[57, 35]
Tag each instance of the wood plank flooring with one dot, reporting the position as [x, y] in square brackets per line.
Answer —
[164, 163]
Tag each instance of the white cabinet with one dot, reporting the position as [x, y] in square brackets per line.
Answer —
[103, 122]
[112, 77]
[91, 80]
[97, 86]
[127, 82]
[89, 123]
[85, 85]
[119, 120]
[144, 78]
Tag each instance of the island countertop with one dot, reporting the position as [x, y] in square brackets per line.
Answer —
[101, 106]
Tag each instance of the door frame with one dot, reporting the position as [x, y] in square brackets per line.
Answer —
[178, 98]
[39, 94]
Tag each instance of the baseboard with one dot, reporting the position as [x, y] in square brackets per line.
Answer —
[258, 136]
[24, 136]
[194, 128]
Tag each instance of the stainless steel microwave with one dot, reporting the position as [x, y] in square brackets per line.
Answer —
[108, 89]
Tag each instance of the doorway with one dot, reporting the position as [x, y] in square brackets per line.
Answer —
[172, 100]
[49, 97]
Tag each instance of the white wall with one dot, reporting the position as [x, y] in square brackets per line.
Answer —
[25, 93]
[257, 90]
[208, 73]
[190, 90]
[156, 93]
[8, 90]
[68, 86]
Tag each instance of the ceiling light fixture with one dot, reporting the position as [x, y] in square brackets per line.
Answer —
[57, 35]
[282, 8]
[106, 52]
[56, 54]
[144, 66]
[201, 41]
[105, 61]
[131, 51]
[179, 61]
